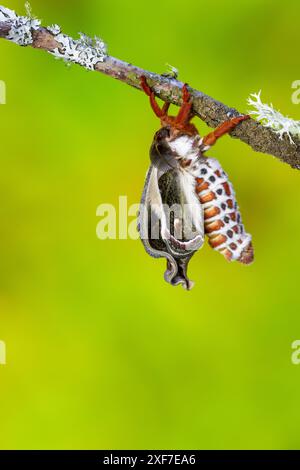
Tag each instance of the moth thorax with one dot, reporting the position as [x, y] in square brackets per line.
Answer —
[184, 146]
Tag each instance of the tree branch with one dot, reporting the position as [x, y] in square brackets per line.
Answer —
[211, 111]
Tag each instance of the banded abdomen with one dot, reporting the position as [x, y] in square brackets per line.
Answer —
[222, 219]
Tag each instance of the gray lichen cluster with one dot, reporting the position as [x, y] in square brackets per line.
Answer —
[84, 51]
[21, 26]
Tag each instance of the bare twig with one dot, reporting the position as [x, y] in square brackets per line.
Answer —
[94, 57]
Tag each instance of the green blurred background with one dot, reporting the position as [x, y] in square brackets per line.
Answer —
[101, 352]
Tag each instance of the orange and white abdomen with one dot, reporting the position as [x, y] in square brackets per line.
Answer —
[222, 219]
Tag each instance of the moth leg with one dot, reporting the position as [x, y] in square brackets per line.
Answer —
[184, 114]
[165, 108]
[227, 126]
[160, 113]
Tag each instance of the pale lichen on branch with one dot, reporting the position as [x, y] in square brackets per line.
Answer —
[92, 54]
[21, 27]
[84, 51]
[270, 117]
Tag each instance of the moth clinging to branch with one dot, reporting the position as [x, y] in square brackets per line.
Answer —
[188, 195]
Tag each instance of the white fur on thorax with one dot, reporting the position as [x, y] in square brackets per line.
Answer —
[183, 146]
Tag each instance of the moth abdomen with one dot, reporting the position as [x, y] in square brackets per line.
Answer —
[222, 219]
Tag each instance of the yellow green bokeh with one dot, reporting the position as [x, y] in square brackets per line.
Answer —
[101, 352]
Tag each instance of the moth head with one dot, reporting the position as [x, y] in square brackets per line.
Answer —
[171, 147]
[178, 128]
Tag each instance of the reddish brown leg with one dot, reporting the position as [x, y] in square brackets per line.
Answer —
[165, 108]
[184, 114]
[224, 128]
[157, 110]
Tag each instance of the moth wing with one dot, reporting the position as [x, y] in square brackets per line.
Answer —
[158, 231]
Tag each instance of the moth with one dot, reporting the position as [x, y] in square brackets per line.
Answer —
[187, 195]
